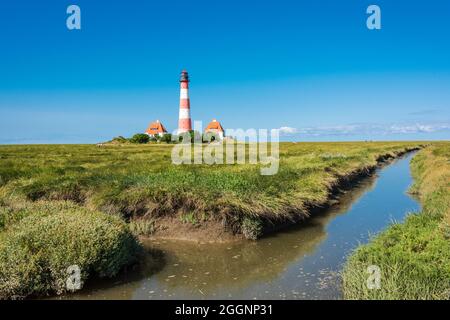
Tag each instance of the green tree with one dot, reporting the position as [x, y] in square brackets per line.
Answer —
[190, 137]
[210, 137]
[167, 138]
[140, 138]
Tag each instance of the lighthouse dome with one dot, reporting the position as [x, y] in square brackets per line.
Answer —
[184, 76]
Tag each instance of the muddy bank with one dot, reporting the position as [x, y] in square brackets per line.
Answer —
[171, 228]
[300, 262]
[213, 231]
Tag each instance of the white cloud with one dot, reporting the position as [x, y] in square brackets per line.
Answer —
[287, 130]
[374, 129]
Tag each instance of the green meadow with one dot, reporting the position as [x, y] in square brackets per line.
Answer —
[413, 257]
[86, 205]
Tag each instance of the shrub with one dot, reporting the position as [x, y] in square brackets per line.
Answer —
[190, 137]
[140, 138]
[119, 139]
[210, 137]
[167, 138]
[36, 252]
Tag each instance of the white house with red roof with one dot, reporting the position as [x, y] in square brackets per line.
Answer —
[156, 129]
[215, 128]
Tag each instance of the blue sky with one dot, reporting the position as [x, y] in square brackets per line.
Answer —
[310, 67]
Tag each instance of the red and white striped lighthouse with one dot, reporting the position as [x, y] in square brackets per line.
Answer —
[184, 122]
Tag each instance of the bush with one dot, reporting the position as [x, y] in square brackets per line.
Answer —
[210, 137]
[167, 138]
[190, 137]
[140, 138]
[119, 139]
[36, 252]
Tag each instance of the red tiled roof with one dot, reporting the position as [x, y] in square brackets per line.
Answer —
[214, 126]
[155, 128]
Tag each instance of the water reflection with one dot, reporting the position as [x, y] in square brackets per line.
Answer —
[297, 263]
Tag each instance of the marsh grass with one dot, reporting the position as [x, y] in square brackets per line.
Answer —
[62, 205]
[414, 256]
[36, 252]
[135, 181]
